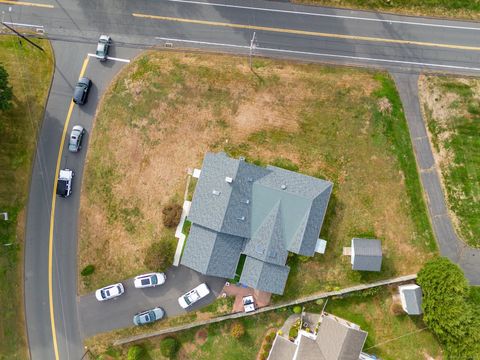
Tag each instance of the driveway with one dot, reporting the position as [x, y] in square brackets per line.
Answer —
[97, 317]
[451, 246]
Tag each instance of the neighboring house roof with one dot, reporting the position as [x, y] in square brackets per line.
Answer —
[212, 252]
[273, 210]
[411, 297]
[337, 339]
[366, 254]
[282, 349]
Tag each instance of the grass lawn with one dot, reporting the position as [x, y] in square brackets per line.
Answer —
[462, 9]
[213, 341]
[166, 109]
[451, 107]
[390, 336]
[19, 126]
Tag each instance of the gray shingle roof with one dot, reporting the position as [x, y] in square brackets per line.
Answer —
[282, 349]
[366, 254]
[338, 341]
[276, 210]
[308, 350]
[213, 253]
[264, 276]
[413, 299]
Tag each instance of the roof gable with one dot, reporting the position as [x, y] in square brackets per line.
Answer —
[264, 276]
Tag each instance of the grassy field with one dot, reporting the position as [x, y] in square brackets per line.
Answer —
[451, 108]
[391, 336]
[18, 129]
[462, 9]
[167, 109]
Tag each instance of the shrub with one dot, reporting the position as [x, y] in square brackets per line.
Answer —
[267, 346]
[136, 352]
[270, 336]
[88, 270]
[265, 354]
[160, 254]
[237, 330]
[448, 311]
[293, 333]
[171, 215]
[169, 347]
[319, 301]
[297, 309]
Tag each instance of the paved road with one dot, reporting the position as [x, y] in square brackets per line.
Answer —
[319, 34]
[97, 317]
[450, 244]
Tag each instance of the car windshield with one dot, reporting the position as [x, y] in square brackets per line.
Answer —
[145, 281]
[105, 293]
[154, 280]
[146, 317]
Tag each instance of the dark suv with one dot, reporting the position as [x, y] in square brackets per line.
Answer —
[80, 93]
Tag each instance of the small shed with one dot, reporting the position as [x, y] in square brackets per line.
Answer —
[411, 298]
[366, 254]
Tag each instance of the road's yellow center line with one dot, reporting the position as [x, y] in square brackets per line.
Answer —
[52, 220]
[22, 3]
[308, 33]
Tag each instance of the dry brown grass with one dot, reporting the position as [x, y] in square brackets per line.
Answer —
[167, 109]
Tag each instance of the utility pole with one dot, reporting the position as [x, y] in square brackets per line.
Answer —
[252, 48]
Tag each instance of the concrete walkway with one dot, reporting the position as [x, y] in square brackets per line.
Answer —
[451, 246]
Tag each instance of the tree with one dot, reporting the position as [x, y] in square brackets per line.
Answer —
[237, 330]
[136, 352]
[169, 347]
[447, 310]
[159, 256]
[6, 93]
[171, 215]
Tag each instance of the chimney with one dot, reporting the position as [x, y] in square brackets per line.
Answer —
[228, 179]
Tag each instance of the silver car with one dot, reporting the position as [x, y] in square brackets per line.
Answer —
[76, 137]
[102, 47]
[148, 316]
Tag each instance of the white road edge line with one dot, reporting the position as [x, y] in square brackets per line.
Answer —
[327, 15]
[324, 55]
[112, 58]
[24, 25]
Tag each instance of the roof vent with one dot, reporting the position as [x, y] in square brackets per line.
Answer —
[284, 186]
[246, 201]
[241, 158]
[216, 192]
[250, 179]
[242, 218]
[228, 179]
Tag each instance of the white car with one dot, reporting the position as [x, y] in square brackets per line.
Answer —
[109, 292]
[194, 295]
[149, 280]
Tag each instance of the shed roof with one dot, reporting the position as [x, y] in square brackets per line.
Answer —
[412, 298]
[366, 254]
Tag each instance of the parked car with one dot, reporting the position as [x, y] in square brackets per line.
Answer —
[149, 280]
[64, 182]
[80, 93]
[194, 295]
[76, 137]
[103, 46]
[109, 292]
[148, 316]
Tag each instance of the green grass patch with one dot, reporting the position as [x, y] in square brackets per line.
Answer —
[462, 9]
[19, 126]
[455, 135]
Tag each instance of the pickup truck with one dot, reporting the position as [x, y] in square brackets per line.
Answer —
[64, 183]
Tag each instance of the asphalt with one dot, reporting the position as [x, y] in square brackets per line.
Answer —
[97, 317]
[74, 26]
[449, 243]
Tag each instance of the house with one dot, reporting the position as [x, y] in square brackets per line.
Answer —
[366, 254]
[411, 298]
[260, 212]
[336, 339]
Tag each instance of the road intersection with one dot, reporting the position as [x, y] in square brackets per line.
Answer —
[282, 30]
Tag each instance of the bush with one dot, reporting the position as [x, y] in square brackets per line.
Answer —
[160, 254]
[88, 270]
[237, 330]
[293, 333]
[267, 346]
[319, 301]
[270, 337]
[171, 215]
[297, 309]
[169, 347]
[448, 311]
[265, 354]
[136, 352]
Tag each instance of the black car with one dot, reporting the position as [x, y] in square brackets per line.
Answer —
[80, 93]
